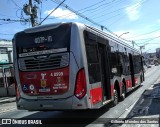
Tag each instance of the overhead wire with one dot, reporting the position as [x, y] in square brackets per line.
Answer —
[7, 23]
[7, 15]
[14, 20]
[22, 18]
[124, 14]
[7, 20]
[69, 14]
[114, 11]
[107, 14]
[145, 34]
[98, 7]
[21, 13]
[17, 13]
[16, 4]
[52, 12]
[145, 42]
[118, 13]
[95, 4]
[144, 39]
[80, 10]
[117, 20]
[82, 16]
[109, 18]
[6, 34]
[106, 5]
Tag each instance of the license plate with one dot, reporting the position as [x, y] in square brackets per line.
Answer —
[44, 90]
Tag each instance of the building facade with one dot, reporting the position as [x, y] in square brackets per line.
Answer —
[6, 55]
[6, 69]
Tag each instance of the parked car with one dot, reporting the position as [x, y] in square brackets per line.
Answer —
[149, 66]
[156, 64]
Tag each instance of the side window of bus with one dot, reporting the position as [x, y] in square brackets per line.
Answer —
[93, 63]
[92, 57]
[124, 61]
[113, 56]
[127, 66]
[128, 61]
[137, 64]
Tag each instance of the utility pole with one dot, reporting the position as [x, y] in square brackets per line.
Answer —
[141, 47]
[31, 10]
[32, 16]
[133, 43]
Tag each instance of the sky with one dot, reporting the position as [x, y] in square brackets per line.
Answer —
[132, 20]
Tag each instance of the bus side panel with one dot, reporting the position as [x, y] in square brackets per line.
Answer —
[128, 83]
[96, 95]
[92, 69]
[77, 50]
[15, 65]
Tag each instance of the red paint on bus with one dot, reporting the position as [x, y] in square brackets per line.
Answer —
[96, 95]
[50, 82]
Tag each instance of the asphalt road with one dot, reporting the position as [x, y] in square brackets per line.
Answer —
[87, 118]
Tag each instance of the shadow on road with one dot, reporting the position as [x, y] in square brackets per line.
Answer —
[146, 108]
[67, 118]
[148, 104]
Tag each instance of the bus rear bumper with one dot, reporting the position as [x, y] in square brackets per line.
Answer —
[44, 105]
[71, 103]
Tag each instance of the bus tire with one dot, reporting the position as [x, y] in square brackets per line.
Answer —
[115, 100]
[123, 96]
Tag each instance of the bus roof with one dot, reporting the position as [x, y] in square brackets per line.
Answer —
[81, 25]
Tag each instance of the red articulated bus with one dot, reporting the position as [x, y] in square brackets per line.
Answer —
[72, 66]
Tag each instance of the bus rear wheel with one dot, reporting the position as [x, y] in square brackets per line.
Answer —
[123, 96]
[115, 101]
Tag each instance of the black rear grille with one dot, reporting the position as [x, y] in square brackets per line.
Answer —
[51, 62]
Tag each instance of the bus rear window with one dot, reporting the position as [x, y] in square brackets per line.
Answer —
[44, 40]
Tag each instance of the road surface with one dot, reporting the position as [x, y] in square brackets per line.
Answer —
[91, 118]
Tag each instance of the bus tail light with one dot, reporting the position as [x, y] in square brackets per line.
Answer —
[80, 88]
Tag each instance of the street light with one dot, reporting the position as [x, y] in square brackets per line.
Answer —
[123, 34]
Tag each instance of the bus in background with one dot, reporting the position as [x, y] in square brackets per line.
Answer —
[72, 66]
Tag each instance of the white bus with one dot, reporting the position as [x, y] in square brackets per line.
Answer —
[72, 66]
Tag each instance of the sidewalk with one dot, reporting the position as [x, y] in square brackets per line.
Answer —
[7, 99]
[146, 109]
